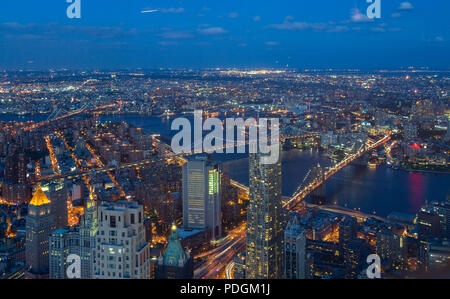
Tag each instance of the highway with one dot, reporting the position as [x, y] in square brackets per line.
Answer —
[217, 259]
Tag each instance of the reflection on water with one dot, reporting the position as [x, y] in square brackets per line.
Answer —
[381, 190]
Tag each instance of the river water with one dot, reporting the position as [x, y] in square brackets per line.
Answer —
[380, 191]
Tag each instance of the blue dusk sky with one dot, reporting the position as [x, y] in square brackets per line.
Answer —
[113, 34]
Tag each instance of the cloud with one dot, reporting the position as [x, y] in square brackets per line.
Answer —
[377, 29]
[406, 6]
[291, 26]
[55, 30]
[13, 26]
[233, 15]
[338, 29]
[257, 18]
[213, 31]
[396, 29]
[172, 34]
[302, 26]
[168, 43]
[357, 17]
[396, 15]
[100, 32]
[288, 18]
[172, 10]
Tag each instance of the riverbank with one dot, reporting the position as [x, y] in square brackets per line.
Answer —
[382, 190]
[438, 169]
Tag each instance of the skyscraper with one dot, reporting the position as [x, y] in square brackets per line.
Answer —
[39, 225]
[62, 243]
[348, 229]
[410, 131]
[16, 188]
[446, 137]
[88, 229]
[175, 263]
[16, 168]
[202, 196]
[355, 252]
[428, 224]
[294, 250]
[57, 192]
[265, 221]
[121, 250]
[79, 240]
[442, 209]
[391, 247]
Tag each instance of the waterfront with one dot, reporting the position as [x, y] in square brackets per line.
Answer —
[381, 190]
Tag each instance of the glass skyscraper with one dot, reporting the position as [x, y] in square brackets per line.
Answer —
[265, 221]
[202, 196]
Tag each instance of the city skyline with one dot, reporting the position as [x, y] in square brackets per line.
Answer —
[134, 141]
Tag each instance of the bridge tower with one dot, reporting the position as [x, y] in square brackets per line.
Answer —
[318, 196]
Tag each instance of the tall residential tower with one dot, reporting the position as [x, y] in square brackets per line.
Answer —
[121, 250]
[265, 221]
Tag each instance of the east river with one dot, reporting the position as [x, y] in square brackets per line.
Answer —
[381, 190]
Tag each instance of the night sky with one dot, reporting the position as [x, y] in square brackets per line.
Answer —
[36, 34]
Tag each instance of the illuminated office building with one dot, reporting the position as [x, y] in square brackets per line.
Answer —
[79, 240]
[428, 224]
[410, 131]
[58, 194]
[202, 196]
[265, 221]
[438, 255]
[442, 209]
[62, 243]
[175, 263]
[294, 250]
[239, 266]
[39, 225]
[15, 187]
[391, 247]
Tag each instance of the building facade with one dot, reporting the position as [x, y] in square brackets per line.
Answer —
[39, 225]
[121, 251]
[62, 243]
[202, 196]
[175, 263]
[15, 187]
[79, 240]
[294, 250]
[265, 221]
[58, 194]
